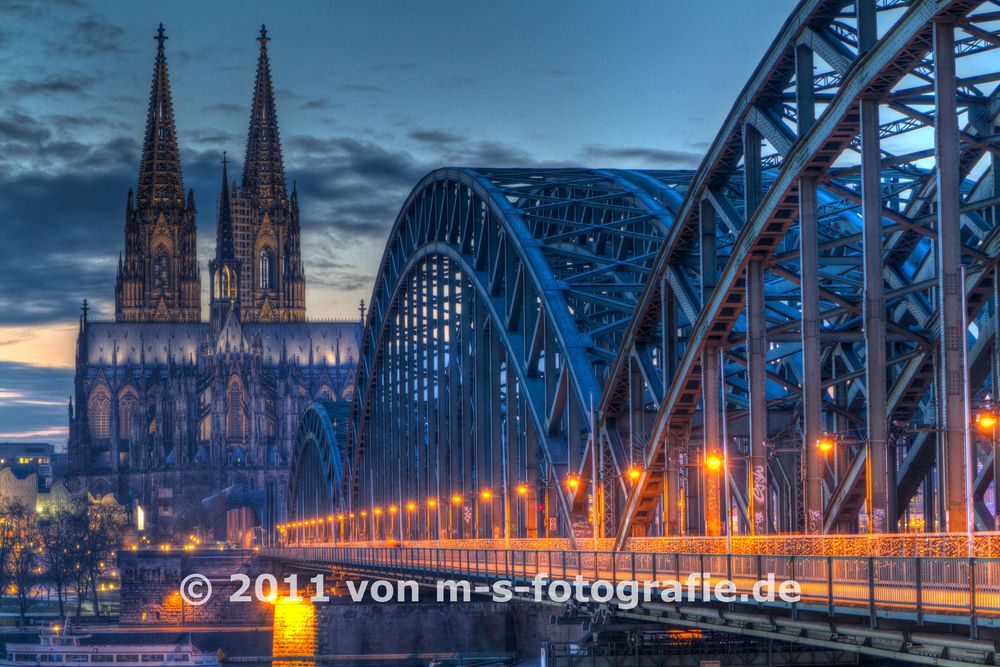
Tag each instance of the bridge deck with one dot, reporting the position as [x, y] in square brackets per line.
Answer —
[926, 590]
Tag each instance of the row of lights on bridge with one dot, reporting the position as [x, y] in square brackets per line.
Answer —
[573, 483]
[714, 461]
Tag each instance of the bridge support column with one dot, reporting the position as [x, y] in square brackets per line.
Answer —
[812, 386]
[757, 384]
[712, 474]
[874, 319]
[952, 456]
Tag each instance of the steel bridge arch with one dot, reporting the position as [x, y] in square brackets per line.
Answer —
[316, 472]
[846, 96]
[501, 292]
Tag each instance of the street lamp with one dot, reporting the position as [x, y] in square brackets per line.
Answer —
[987, 422]
[411, 507]
[634, 473]
[456, 499]
[825, 444]
[713, 461]
[378, 514]
[522, 510]
[573, 483]
[432, 504]
[486, 495]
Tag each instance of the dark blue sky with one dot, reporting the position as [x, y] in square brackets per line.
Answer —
[370, 96]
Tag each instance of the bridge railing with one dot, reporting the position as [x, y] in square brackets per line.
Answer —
[952, 590]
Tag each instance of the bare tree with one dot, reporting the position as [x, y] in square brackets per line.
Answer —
[60, 535]
[105, 524]
[23, 563]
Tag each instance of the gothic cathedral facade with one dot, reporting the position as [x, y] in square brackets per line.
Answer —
[186, 420]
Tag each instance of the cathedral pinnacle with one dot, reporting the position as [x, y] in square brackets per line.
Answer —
[160, 38]
[225, 249]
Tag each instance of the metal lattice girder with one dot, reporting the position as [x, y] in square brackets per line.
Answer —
[835, 67]
[501, 298]
[316, 474]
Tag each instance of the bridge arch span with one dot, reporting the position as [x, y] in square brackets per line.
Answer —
[316, 474]
[501, 298]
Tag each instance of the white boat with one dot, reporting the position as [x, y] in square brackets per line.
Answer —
[60, 646]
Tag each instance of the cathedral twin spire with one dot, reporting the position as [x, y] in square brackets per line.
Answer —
[263, 171]
[257, 270]
[160, 181]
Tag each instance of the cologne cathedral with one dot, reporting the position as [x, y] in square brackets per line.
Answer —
[187, 422]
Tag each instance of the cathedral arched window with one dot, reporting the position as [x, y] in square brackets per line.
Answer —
[266, 269]
[227, 283]
[161, 270]
[236, 421]
[205, 429]
[99, 415]
[128, 407]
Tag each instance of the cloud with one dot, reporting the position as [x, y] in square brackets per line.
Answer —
[227, 107]
[75, 83]
[319, 104]
[212, 136]
[437, 137]
[33, 402]
[350, 188]
[22, 128]
[643, 157]
[90, 36]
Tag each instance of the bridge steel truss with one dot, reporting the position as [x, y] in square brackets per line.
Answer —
[812, 286]
[500, 303]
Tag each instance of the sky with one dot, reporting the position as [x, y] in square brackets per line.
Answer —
[371, 95]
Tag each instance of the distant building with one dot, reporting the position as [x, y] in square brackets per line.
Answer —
[169, 410]
[20, 462]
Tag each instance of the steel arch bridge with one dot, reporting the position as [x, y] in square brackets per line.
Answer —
[816, 304]
[500, 303]
[810, 323]
[317, 466]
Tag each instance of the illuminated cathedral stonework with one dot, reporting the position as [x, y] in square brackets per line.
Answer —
[188, 419]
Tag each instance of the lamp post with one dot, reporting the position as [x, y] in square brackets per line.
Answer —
[988, 422]
[392, 523]
[456, 499]
[522, 509]
[432, 504]
[827, 445]
[486, 495]
[411, 507]
[377, 512]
